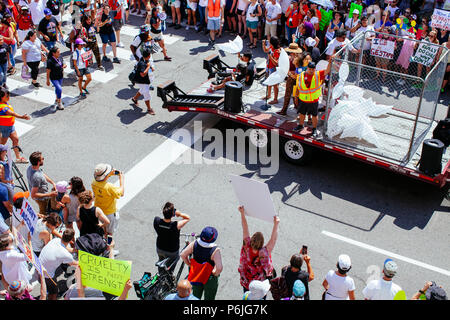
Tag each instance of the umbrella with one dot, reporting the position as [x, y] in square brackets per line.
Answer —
[234, 46]
[324, 3]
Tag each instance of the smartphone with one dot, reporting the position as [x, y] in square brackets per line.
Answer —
[116, 172]
[109, 240]
[174, 211]
[304, 250]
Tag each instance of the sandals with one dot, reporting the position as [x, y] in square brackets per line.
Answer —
[150, 111]
[252, 46]
[21, 160]
[134, 101]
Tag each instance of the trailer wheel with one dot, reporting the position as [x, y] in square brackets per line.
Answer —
[259, 138]
[295, 152]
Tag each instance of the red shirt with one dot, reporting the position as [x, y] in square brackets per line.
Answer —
[308, 78]
[114, 5]
[24, 22]
[275, 54]
[293, 18]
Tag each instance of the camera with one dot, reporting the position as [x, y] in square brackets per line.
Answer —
[116, 172]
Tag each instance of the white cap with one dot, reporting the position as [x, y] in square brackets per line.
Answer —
[355, 11]
[61, 186]
[310, 42]
[258, 289]
[344, 262]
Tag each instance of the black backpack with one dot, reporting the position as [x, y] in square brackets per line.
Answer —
[442, 131]
[92, 243]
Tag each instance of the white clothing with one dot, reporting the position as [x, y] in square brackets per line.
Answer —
[33, 50]
[54, 254]
[285, 5]
[203, 3]
[14, 266]
[241, 5]
[351, 24]
[336, 44]
[252, 9]
[380, 290]
[273, 10]
[37, 11]
[338, 286]
[79, 56]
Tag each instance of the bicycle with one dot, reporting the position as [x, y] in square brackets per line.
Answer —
[163, 283]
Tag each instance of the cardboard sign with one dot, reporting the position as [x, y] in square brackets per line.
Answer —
[108, 275]
[382, 48]
[425, 54]
[28, 215]
[440, 19]
[254, 196]
[31, 256]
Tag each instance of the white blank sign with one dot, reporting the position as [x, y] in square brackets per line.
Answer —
[254, 196]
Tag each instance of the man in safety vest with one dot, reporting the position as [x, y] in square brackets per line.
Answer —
[214, 17]
[309, 89]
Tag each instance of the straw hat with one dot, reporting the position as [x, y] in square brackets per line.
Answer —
[294, 48]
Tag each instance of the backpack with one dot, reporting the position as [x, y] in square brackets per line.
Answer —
[442, 131]
[278, 286]
[92, 243]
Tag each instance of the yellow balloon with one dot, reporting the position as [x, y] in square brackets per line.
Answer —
[413, 23]
[399, 21]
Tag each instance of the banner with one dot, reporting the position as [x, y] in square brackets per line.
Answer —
[254, 196]
[425, 54]
[382, 48]
[440, 19]
[28, 215]
[108, 275]
[31, 256]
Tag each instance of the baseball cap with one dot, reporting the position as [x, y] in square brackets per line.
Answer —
[16, 288]
[24, 8]
[435, 292]
[310, 42]
[79, 41]
[257, 290]
[298, 289]
[344, 262]
[21, 194]
[311, 65]
[3, 147]
[355, 11]
[209, 234]
[61, 186]
[144, 28]
[47, 12]
[390, 268]
[101, 171]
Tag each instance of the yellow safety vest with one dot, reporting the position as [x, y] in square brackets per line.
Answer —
[312, 93]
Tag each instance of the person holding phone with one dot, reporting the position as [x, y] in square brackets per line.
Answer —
[168, 232]
[294, 272]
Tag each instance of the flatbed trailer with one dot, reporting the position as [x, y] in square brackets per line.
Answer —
[295, 146]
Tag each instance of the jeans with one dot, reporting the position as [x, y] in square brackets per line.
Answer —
[12, 54]
[49, 44]
[58, 87]
[289, 33]
[201, 12]
[3, 73]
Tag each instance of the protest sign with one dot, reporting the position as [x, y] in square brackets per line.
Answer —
[31, 256]
[358, 7]
[440, 19]
[28, 215]
[446, 5]
[108, 275]
[382, 48]
[425, 54]
[254, 196]
[327, 15]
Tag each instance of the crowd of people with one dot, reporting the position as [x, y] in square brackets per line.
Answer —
[35, 26]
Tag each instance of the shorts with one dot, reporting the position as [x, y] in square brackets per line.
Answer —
[192, 5]
[117, 24]
[6, 131]
[176, 4]
[252, 24]
[156, 36]
[271, 30]
[51, 287]
[84, 71]
[239, 12]
[213, 24]
[144, 90]
[113, 222]
[308, 108]
[111, 37]
[229, 14]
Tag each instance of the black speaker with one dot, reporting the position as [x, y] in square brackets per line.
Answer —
[431, 158]
[233, 96]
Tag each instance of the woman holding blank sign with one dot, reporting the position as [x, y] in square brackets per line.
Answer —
[256, 261]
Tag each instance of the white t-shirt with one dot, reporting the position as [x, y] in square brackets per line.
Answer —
[78, 55]
[380, 290]
[252, 9]
[241, 5]
[137, 43]
[203, 3]
[37, 11]
[53, 254]
[14, 266]
[335, 44]
[351, 24]
[314, 20]
[285, 5]
[338, 286]
[33, 50]
[368, 35]
[273, 10]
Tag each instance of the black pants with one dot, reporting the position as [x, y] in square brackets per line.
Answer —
[34, 66]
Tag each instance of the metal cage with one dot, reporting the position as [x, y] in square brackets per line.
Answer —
[395, 80]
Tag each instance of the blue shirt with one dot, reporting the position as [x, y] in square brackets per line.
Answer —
[4, 197]
[175, 296]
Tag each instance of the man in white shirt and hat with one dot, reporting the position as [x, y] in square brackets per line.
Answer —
[383, 288]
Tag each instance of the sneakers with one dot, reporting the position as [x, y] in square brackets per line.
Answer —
[116, 60]
[120, 45]
[167, 58]
[116, 252]
[187, 27]
[36, 84]
[298, 128]
[210, 90]
[106, 59]
[196, 28]
[100, 68]
[177, 26]
[59, 106]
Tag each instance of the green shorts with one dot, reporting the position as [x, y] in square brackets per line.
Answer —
[252, 24]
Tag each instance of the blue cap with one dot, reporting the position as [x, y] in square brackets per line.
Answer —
[209, 234]
[47, 12]
[299, 289]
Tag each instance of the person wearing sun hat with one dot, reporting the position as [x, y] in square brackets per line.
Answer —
[338, 285]
[294, 51]
[205, 265]
[106, 194]
[257, 290]
[383, 288]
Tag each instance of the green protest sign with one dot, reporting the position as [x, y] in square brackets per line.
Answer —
[326, 18]
[104, 274]
[358, 7]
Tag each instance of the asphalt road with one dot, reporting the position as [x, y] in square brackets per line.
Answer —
[327, 205]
